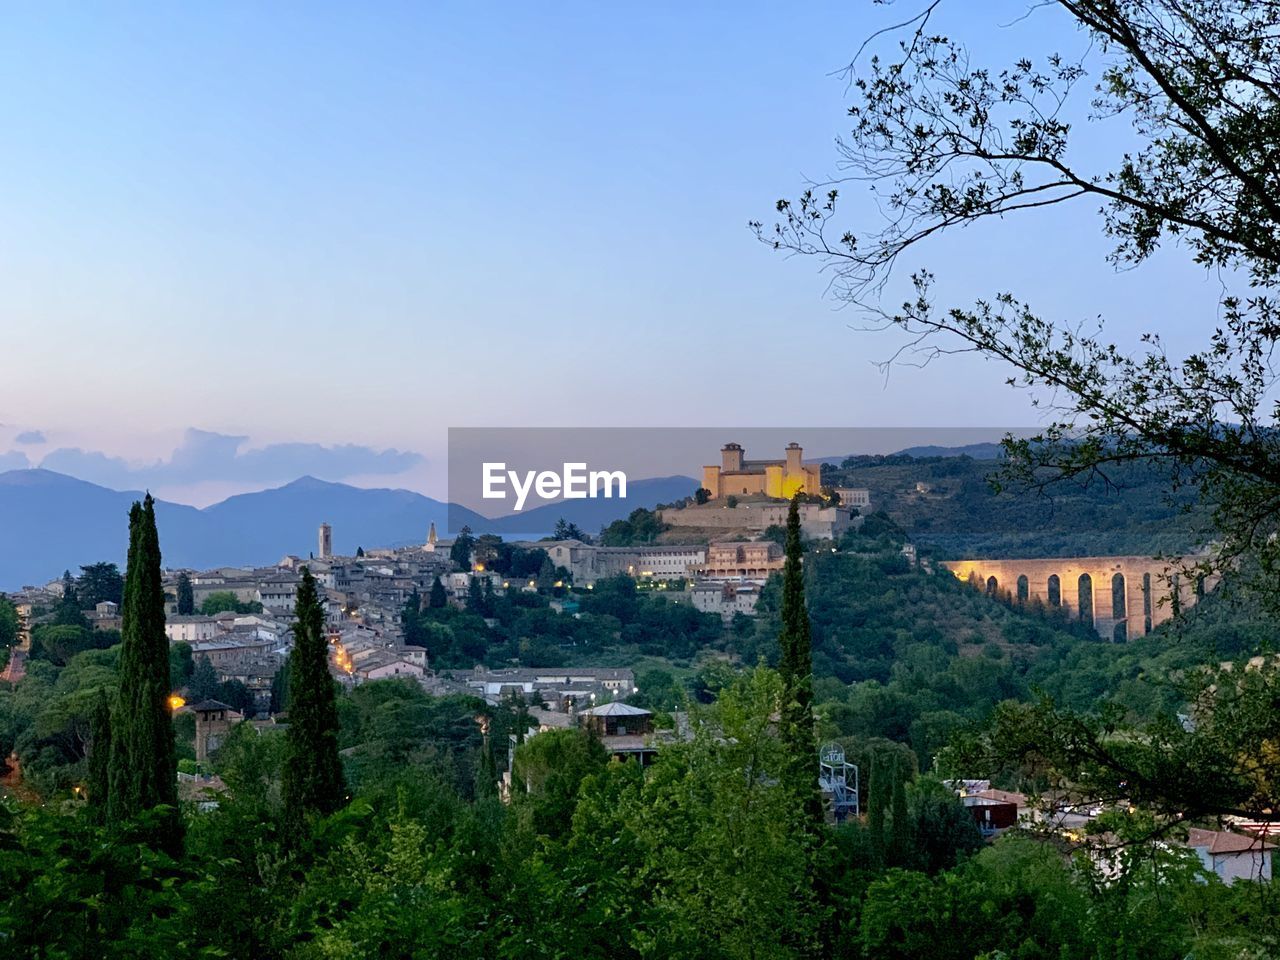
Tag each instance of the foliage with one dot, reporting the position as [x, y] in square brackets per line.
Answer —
[141, 774]
[640, 526]
[224, 601]
[186, 596]
[312, 782]
[795, 666]
[99, 582]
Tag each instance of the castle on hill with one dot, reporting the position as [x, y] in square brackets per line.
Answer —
[780, 479]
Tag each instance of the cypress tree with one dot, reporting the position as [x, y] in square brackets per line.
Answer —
[796, 667]
[436, 600]
[186, 596]
[410, 619]
[204, 680]
[900, 832]
[142, 769]
[312, 780]
[878, 801]
[99, 756]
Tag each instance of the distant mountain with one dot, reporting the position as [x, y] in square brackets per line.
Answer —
[977, 451]
[591, 515]
[50, 522]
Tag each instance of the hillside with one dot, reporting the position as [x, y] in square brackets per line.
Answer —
[948, 504]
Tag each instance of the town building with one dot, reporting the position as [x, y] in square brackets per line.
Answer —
[856, 497]
[214, 720]
[1232, 856]
[725, 599]
[561, 687]
[192, 628]
[586, 563]
[992, 814]
[105, 615]
[744, 560]
[625, 731]
[818, 521]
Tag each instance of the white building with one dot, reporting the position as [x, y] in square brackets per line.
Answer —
[726, 599]
[1232, 856]
[190, 629]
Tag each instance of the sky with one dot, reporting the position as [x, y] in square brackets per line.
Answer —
[243, 242]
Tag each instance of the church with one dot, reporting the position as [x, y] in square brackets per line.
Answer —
[780, 479]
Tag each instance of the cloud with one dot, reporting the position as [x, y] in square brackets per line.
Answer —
[30, 436]
[13, 460]
[206, 456]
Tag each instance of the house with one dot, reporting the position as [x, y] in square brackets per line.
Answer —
[725, 599]
[105, 616]
[625, 731]
[992, 816]
[1232, 856]
[558, 686]
[383, 664]
[190, 629]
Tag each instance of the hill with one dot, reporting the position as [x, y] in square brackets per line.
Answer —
[948, 504]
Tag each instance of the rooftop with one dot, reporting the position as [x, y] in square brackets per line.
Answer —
[1220, 841]
[616, 709]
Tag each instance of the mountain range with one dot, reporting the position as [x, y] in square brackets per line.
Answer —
[50, 522]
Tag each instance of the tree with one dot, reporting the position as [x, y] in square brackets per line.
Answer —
[67, 613]
[225, 601]
[410, 619]
[437, 600]
[280, 687]
[949, 142]
[795, 666]
[901, 838]
[204, 680]
[359, 552]
[10, 624]
[100, 757]
[58, 644]
[460, 552]
[701, 495]
[186, 596]
[1197, 82]
[566, 530]
[549, 769]
[312, 782]
[142, 771]
[99, 582]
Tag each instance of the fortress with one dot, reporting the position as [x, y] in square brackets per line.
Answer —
[1123, 597]
[781, 479]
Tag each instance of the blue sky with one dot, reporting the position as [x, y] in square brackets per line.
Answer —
[362, 224]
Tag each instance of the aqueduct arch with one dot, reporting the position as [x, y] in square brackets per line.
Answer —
[1125, 597]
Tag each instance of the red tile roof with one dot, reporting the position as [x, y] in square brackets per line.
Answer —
[1220, 841]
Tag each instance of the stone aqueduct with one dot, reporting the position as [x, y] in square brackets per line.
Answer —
[1124, 597]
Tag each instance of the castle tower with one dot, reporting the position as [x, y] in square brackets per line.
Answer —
[795, 458]
[326, 542]
[731, 458]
